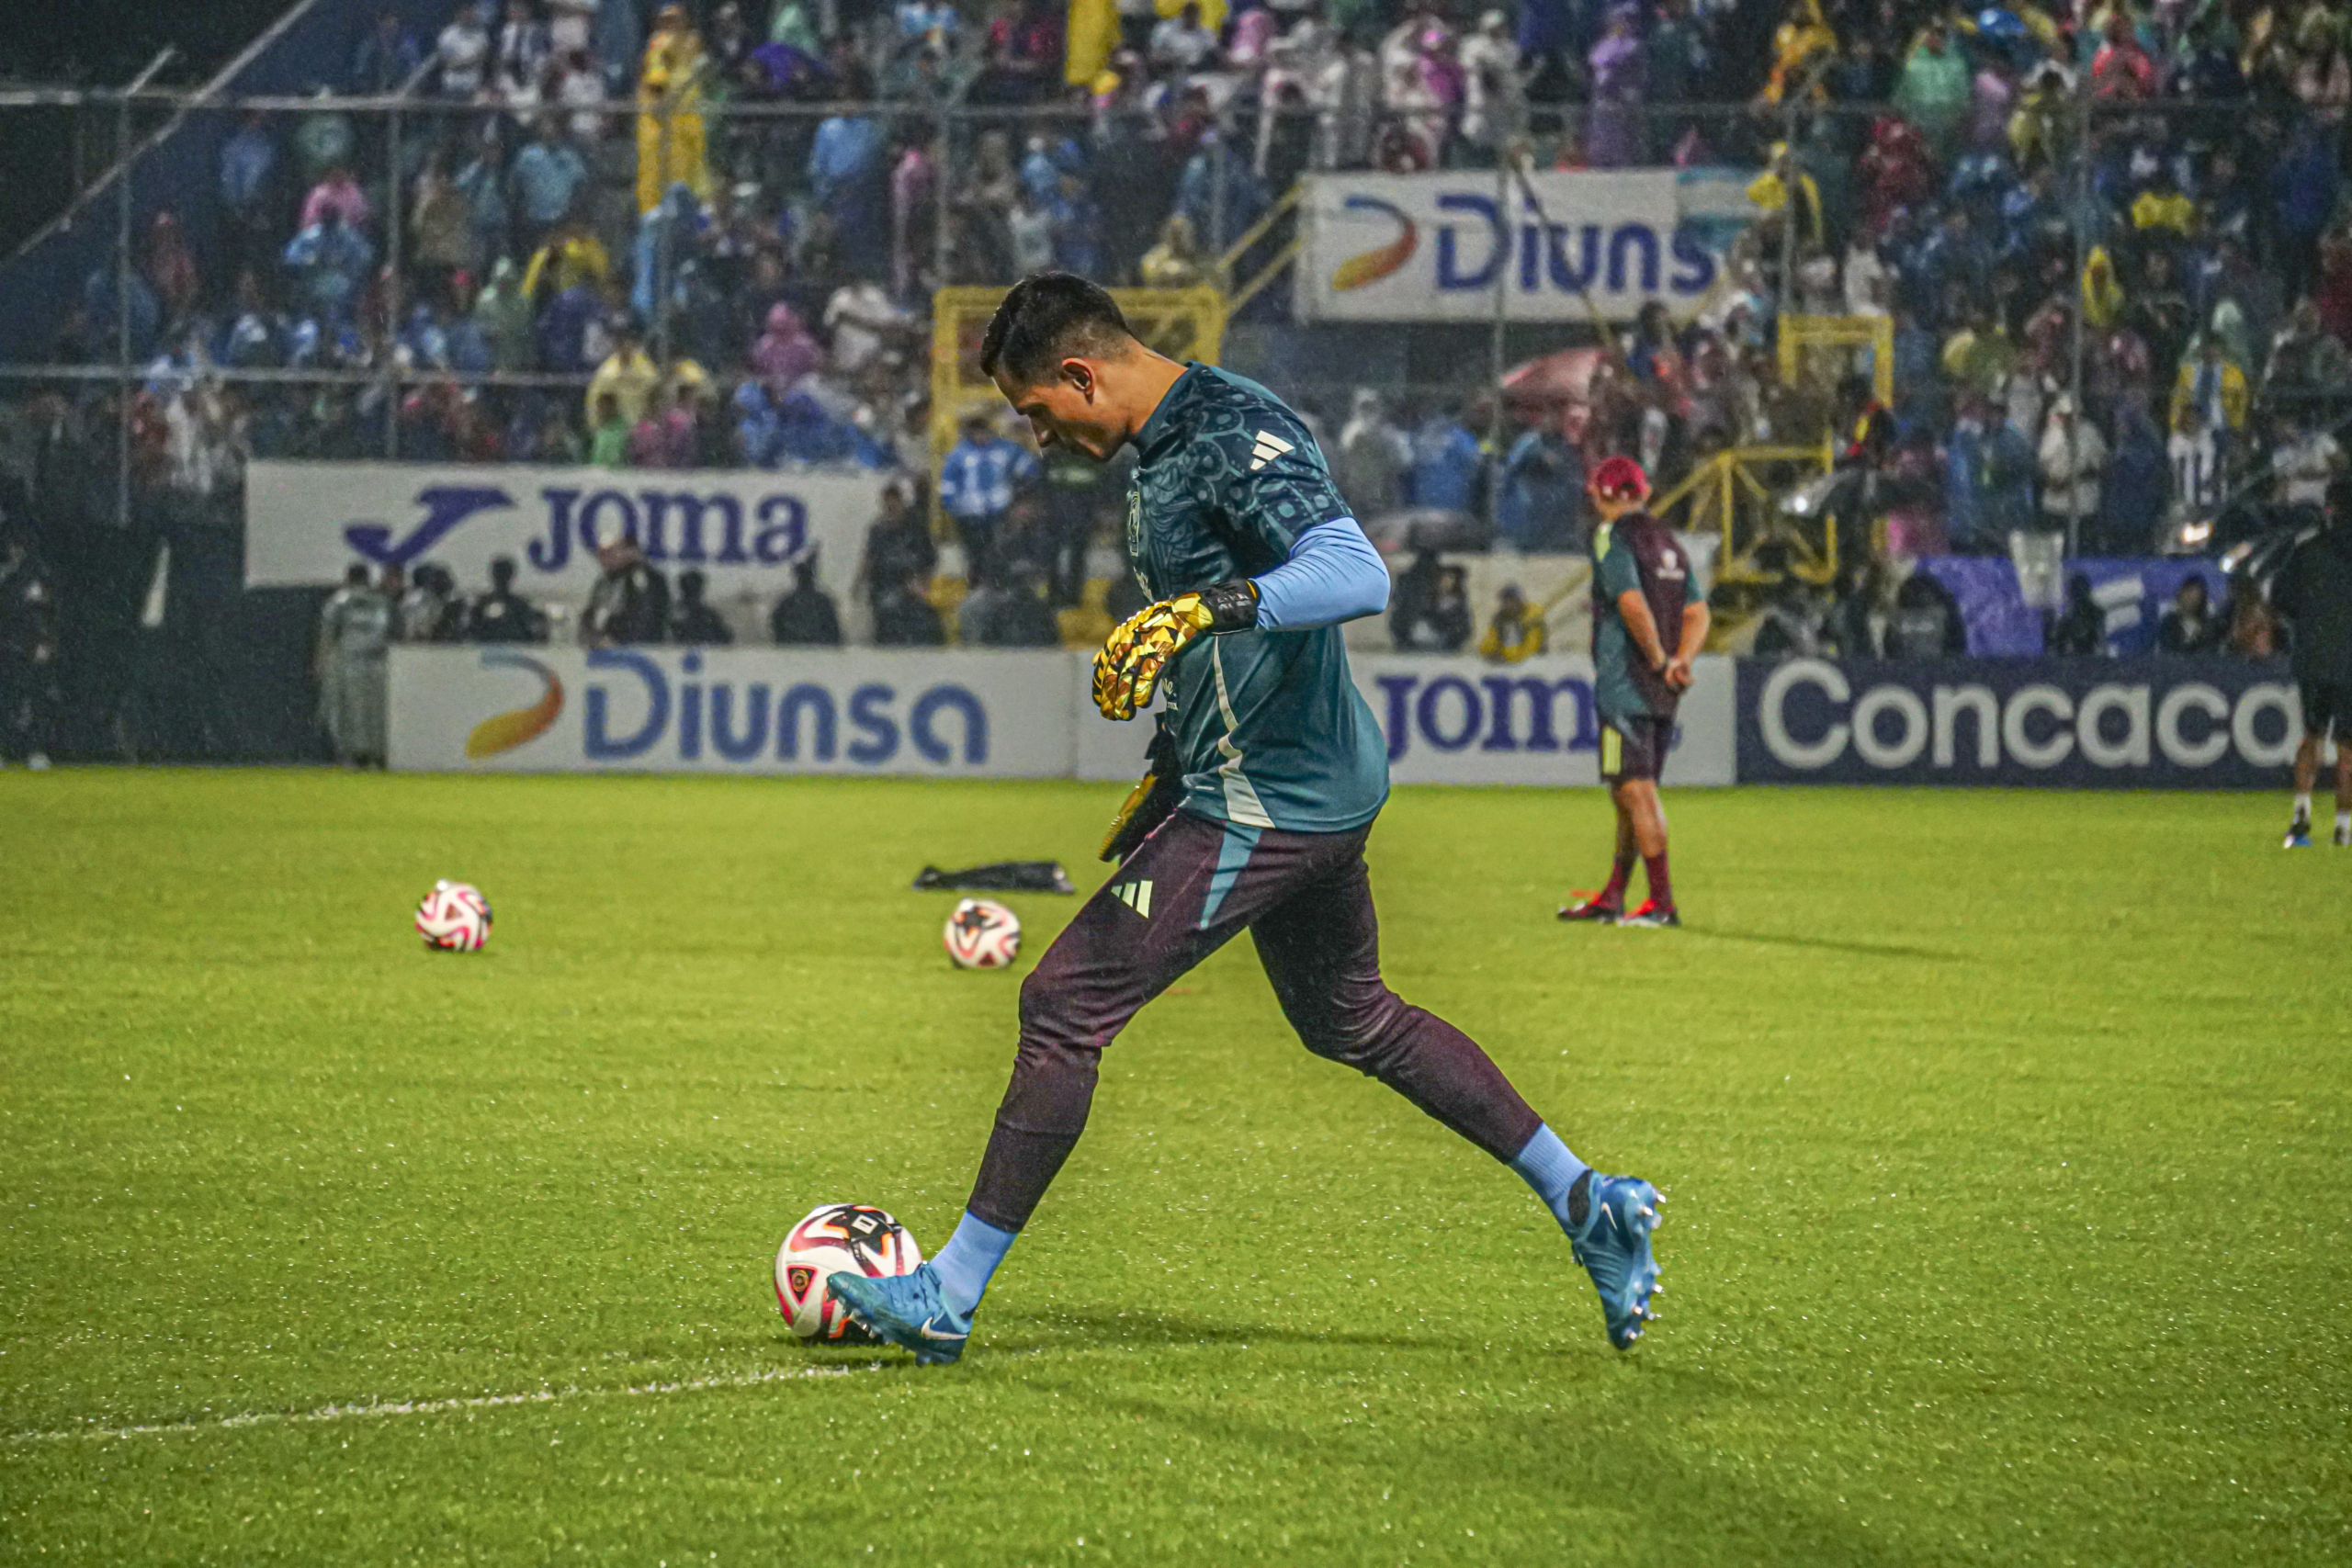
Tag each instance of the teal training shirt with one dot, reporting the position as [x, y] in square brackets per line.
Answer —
[1639, 554]
[1270, 726]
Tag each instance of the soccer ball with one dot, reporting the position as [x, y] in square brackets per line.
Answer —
[982, 934]
[454, 918]
[829, 1238]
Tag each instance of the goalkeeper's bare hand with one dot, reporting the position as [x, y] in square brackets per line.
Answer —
[1127, 670]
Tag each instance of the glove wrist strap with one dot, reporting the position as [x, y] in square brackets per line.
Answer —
[1232, 605]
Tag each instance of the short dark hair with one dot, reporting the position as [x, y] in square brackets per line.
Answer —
[1046, 316]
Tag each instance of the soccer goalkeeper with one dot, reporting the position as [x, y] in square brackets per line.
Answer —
[1251, 561]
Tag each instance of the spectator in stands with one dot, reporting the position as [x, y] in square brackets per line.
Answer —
[548, 177]
[519, 57]
[336, 194]
[903, 617]
[629, 374]
[323, 139]
[2073, 458]
[2189, 624]
[2209, 400]
[897, 546]
[429, 610]
[693, 622]
[1539, 501]
[1926, 622]
[463, 54]
[630, 603]
[1430, 610]
[1022, 617]
[1176, 260]
[2138, 481]
[569, 257]
[2081, 631]
[804, 616]
[786, 352]
[866, 327]
[663, 435]
[848, 179]
[385, 59]
[1179, 44]
[1792, 624]
[1516, 633]
[501, 614]
[977, 484]
[441, 240]
[2304, 461]
[355, 627]
[1446, 462]
[253, 195]
[329, 261]
[670, 90]
[609, 434]
[1374, 457]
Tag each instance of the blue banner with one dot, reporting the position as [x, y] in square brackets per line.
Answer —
[2065, 723]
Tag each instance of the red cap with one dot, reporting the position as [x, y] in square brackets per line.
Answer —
[1619, 478]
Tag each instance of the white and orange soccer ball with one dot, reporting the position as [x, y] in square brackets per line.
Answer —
[454, 918]
[982, 934]
[830, 1238]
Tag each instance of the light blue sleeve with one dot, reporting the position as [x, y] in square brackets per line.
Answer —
[1333, 574]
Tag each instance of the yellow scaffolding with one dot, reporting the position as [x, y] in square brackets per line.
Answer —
[1820, 349]
[1183, 324]
[1736, 494]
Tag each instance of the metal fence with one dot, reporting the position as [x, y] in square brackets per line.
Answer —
[406, 276]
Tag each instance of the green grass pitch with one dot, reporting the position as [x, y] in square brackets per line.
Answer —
[2006, 1136]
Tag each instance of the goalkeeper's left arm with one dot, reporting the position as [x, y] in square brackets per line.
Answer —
[1333, 574]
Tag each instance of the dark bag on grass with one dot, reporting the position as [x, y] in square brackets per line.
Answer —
[998, 876]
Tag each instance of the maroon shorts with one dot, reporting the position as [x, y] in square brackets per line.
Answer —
[1634, 748]
[1193, 885]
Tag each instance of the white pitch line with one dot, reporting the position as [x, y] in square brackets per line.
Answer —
[435, 1406]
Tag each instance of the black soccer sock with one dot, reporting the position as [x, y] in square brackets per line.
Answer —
[1040, 1121]
[1580, 1200]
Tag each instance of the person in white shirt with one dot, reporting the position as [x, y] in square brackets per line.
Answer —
[2302, 462]
[1181, 43]
[2073, 457]
[464, 52]
[522, 56]
[1492, 89]
[863, 323]
[571, 26]
[581, 89]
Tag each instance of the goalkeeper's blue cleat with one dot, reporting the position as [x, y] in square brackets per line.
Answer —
[1614, 1248]
[907, 1310]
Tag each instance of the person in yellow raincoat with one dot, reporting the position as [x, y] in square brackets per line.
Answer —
[2102, 295]
[670, 90]
[1803, 42]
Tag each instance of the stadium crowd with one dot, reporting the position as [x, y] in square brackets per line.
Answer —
[673, 236]
[750, 288]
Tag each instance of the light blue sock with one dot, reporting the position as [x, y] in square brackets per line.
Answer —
[971, 1254]
[1546, 1165]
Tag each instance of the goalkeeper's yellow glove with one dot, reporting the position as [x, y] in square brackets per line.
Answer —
[1127, 670]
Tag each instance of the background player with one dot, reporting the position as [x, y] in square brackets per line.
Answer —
[2314, 591]
[1642, 585]
[1252, 559]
